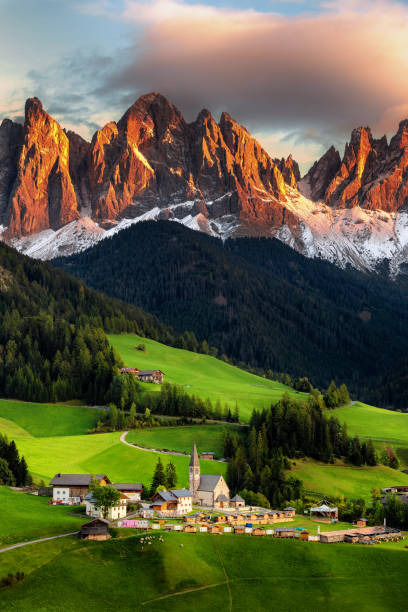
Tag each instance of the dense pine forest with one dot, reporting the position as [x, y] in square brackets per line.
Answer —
[52, 333]
[262, 304]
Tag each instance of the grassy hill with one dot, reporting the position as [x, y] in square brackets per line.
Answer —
[207, 437]
[28, 517]
[28, 419]
[339, 479]
[202, 375]
[208, 573]
[382, 426]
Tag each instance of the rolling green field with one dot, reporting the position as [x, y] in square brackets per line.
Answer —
[181, 439]
[43, 420]
[206, 573]
[350, 481]
[202, 375]
[382, 426]
[28, 517]
[100, 454]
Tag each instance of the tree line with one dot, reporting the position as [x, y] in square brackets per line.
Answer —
[13, 468]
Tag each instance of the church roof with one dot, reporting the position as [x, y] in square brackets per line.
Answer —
[194, 461]
[208, 482]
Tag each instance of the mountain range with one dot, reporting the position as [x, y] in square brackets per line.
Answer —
[60, 194]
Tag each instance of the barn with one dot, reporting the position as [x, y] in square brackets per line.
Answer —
[97, 529]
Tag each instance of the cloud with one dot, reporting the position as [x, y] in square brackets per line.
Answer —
[326, 72]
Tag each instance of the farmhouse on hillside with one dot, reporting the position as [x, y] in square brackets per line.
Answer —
[132, 490]
[115, 512]
[208, 489]
[174, 502]
[72, 488]
[153, 376]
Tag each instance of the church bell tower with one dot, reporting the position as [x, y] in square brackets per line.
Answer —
[194, 472]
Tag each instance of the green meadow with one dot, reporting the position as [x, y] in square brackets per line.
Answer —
[207, 573]
[202, 375]
[28, 517]
[181, 439]
[43, 420]
[382, 426]
[350, 481]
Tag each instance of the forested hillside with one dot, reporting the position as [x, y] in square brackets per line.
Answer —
[261, 303]
[52, 332]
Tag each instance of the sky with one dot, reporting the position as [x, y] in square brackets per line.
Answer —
[300, 75]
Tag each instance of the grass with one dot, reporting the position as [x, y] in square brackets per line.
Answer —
[181, 439]
[382, 426]
[27, 419]
[28, 517]
[207, 573]
[100, 454]
[202, 375]
[339, 479]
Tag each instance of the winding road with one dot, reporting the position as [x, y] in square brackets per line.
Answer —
[155, 450]
[20, 544]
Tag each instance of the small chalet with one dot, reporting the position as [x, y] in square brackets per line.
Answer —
[116, 512]
[72, 488]
[258, 531]
[207, 455]
[176, 501]
[237, 502]
[132, 490]
[97, 529]
[153, 376]
[289, 511]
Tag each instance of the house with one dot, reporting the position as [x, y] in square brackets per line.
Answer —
[289, 511]
[361, 522]
[207, 455]
[153, 376]
[132, 490]
[239, 529]
[190, 529]
[115, 512]
[208, 489]
[133, 371]
[237, 502]
[98, 529]
[176, 501]
[215, 529]
[72, 488]
[286, 532]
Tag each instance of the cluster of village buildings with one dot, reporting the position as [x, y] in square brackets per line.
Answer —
[211, 492]
[151, 376]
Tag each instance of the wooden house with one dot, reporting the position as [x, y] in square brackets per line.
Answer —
[190, 529]
[361, 522]
[286, 532]
[304, 535]
[215, 529]
[175, 502]
[97, 529]
[240, 529]
[207, 455]
[132, 490]
[289, 511]
[151, 376]
[72, 488]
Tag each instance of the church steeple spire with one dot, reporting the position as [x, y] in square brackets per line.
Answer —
[194, 472]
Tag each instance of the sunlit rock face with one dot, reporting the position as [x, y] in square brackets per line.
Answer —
[60, 193]
[43, 195]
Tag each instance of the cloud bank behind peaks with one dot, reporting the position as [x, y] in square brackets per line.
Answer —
[329, 71]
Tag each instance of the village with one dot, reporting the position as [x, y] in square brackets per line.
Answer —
[205, 507]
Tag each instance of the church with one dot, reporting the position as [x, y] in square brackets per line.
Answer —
[208, 489]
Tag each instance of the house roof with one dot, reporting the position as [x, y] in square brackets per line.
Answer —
[207, 452]
[181, 493]
[82, 480]
[128, 486]
[94, 522]
[289, 508]
[237, 498]
[194, 461]
[208, 482]
[323, 508]
[165, 495]
[149, 372]
[222, 498]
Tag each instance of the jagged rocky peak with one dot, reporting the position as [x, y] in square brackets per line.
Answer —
[400, 140]
[43, 195]
[290, 170]
[315, 183]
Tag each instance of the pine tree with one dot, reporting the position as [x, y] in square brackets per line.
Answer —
[171, 476]
[159, 477]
